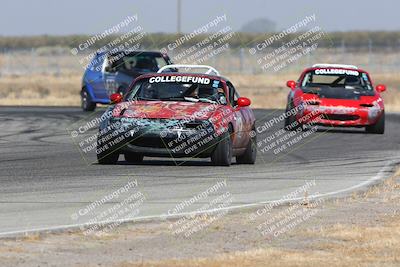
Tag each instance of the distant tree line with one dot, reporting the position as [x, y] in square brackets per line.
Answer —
[350, 40]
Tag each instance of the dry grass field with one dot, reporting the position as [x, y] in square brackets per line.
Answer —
[350, 245]
[265, 91]
[51, 76]
[351, 242]
[42, 90]
[354, 246]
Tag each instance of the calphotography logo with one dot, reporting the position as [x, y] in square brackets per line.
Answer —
[287, 47]
[98, 220]
[211, 209]
[201, 30]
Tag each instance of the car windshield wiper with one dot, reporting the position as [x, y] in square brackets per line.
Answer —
[172, 99]
[190, 99]
[207, 100]
[201, 99]
[146, 98]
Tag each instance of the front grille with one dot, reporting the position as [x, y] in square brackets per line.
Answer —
[195, 124]
[340, 117]
[367, 105]
[154, 142]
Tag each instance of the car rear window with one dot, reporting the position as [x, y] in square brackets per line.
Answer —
[141, 62]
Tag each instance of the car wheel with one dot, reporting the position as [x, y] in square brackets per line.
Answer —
[287, 118]
[86, 103]
[133, 158]
[222, 155]
[104, 154]
[250, 154]
[110, 158]
[378, 127]
[291, 124]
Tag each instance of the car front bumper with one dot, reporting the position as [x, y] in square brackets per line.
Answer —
[340, 116]
[161, 138]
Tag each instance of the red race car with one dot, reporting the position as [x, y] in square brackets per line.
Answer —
[172, 114]
[335, 95]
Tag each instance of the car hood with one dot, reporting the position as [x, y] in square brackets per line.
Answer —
[164, 110]
[338, 93]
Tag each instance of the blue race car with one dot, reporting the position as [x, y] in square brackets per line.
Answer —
[110, 73]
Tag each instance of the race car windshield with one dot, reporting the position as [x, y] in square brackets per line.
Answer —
[142, 62]
[179, 88]
[337, 78]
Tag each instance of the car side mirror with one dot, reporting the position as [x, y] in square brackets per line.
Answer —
[381, 88]
[115, 98]
[243, 102]
[291, 84]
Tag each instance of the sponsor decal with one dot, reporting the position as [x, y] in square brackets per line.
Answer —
[215, 84]
[336, 71]
[182, 79]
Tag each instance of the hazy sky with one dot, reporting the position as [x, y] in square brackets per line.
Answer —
[57, 17]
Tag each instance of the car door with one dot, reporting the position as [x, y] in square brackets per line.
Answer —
[241, 131]
[109, 76]
[93, 78]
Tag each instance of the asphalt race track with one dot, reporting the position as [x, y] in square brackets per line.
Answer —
[45, 180]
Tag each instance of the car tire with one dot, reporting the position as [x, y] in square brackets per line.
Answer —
[250, 154]
[86, 103]
[378, 127]
[106, 156]
[287, 118]
[133, 158]
[111, 158]
[290, 120]
[222, 154]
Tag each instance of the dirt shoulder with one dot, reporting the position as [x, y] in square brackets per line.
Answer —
[360, 230]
